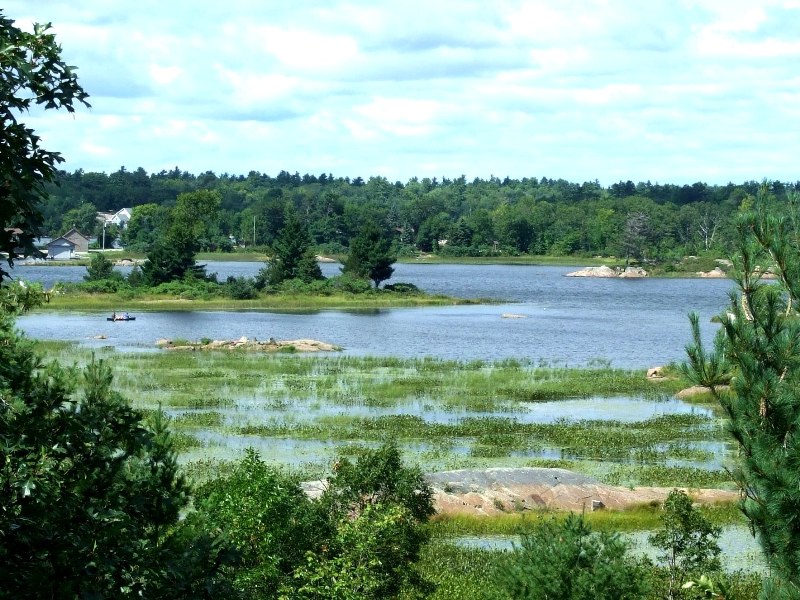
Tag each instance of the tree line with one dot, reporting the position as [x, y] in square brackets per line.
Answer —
[456, 217]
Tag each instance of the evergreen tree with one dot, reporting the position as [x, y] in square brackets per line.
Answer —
[293, 256]
[173, 254]
[99, 268]
[568, 561]
[757, 351]
[370, 255]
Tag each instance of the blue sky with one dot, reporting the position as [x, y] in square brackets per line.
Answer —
[666, 91]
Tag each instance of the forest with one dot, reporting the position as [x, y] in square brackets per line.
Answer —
[451, 217]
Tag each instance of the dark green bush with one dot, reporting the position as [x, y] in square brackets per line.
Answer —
[402, 288]
[240, 288]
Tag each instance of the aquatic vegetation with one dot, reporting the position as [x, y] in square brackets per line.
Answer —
[445, 414]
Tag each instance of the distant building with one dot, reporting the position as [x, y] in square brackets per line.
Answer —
[67, 245]
[61, 249]
[119, 218]
[76, 237]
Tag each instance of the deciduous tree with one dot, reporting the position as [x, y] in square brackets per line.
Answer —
[31, 73]
[90, 494]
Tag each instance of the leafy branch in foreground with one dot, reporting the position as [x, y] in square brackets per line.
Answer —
[31, 73]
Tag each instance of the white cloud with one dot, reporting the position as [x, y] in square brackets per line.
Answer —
[606, 89]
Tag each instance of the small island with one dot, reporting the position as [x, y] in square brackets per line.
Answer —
[246, 344]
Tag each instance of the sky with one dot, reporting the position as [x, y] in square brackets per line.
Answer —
[672, 91]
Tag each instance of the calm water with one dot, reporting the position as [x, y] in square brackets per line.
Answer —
[740, 550]
[575, 321]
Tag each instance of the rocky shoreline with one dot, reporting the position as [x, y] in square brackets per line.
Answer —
[492, 492]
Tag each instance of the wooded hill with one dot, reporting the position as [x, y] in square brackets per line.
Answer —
[448, 216]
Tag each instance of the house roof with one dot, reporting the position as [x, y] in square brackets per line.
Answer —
[61, 241]
[75, 231]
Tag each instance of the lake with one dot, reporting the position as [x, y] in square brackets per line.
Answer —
[629, 323]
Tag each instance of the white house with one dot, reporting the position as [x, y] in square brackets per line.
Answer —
[119, 218]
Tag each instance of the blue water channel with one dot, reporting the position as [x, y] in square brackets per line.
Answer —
[629, 323]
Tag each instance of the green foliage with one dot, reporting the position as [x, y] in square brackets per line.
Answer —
[367, 558]
[240, 288]
[293, 258]
[349, 284]
[99, 268]
[378, 477]
[402, 288]
[191, 226]
[267, 518]
[170, 260]
[688, 539]
[83, 218]
[31, 74]
[20, 296]
[90, 496]
[370, 255]
[566, 560]
[758, 351]
[357, 542]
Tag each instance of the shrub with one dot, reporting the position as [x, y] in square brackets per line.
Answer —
[350, 284]
[402, 288]
[241, 288]
[567, 560]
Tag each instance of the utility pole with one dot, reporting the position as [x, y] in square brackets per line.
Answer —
[254, 230]
[104, 234]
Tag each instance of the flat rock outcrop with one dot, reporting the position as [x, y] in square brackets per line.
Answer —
[605, 271]
[493, 491]
[602, 271]
[715, 273]
[253, 345]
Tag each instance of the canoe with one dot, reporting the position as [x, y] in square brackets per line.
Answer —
[121, 319]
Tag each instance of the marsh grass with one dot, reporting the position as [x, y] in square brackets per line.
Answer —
[647, 516]
[144, 301]
[478, 408]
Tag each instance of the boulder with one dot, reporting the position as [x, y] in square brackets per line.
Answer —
[601, 271]
[715, 273]
[633, 272]
[697, 390]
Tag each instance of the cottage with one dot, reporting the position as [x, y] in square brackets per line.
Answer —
[65, 247]
[61, 249]
[76, 237]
